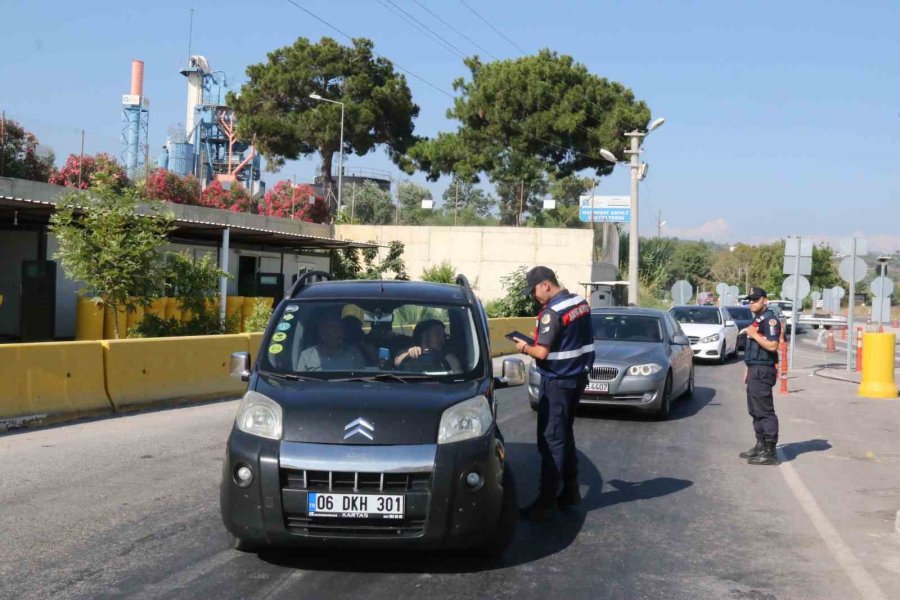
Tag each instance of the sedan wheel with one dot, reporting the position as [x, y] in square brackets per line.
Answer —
[689, 390]
[722, 357]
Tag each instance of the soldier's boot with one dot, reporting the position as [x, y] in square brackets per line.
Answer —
[569, 498]
[766, 457]
[754, 451]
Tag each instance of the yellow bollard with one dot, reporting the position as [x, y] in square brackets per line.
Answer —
[878, 366]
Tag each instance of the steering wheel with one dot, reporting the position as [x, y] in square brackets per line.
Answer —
[428, 361]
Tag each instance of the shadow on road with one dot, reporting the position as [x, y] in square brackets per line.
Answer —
[794, 449]
[532, 542]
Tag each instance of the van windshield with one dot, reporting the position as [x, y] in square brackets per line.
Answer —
[334, 338]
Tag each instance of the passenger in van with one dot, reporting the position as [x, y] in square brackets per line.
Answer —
[332, 353]
[429, 338]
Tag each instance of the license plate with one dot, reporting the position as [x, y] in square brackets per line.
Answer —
[355, 506]
[598, 386]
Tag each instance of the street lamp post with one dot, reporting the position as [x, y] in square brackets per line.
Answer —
[315, 96]
[635, 152]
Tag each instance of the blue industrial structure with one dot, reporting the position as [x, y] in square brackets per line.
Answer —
[136, 119]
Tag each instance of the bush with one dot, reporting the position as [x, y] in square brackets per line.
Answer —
[167, 186]
[259, 318]
[515, 303]
[285, 199]
[102, 169]
[207, 323]
[442, 273]
[492, 309]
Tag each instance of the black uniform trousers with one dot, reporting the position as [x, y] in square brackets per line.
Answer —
[760, 403]
[555, 435]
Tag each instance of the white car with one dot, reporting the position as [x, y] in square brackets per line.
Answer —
[712, 332]
[787, 311]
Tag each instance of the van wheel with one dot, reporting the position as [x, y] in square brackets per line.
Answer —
[506, 524]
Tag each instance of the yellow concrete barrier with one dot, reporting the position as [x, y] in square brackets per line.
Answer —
[134, 317]
[52, 378]
[878, 366]
[144, 371]
[500, 327]
[88, 320]
[254, 343]
[157, 308]
[173, 309]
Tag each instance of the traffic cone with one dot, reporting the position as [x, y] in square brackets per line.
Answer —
[859, 349]
[881, 329]
[844, 334]
[895, 324]
[829, 342]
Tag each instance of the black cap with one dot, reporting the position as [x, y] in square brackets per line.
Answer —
[535, 276]
[756, 293]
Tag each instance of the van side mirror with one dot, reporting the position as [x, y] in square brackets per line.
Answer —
[512, 373]
[240, 365]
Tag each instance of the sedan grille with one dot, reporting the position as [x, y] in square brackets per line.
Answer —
[604, 373]
[694, 339]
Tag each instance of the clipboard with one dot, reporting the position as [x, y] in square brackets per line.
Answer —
[518, 336]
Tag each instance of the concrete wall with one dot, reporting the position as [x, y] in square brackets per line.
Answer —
[486, 254]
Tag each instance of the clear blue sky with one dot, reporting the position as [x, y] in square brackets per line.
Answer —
[782, 118]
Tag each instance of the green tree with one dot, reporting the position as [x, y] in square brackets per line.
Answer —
[546, 108]
[567, 190]
[692, 261]
[442, 273]
[105, 243]
[765, 267]
[411, 196]
[352, 263]
[20, 155]
[515, 303]
[464, 196]
[259, 317]
[275, 109]
[373, 205]
[824, 272]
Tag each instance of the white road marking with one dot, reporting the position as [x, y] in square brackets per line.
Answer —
[851, 565]
[185, 577]
[282, 584]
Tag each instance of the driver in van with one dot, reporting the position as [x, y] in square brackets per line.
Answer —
[430, 337]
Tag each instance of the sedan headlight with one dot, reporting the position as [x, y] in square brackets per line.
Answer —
[466, 420]
[644, 370]
[259, 415]
[710, 338]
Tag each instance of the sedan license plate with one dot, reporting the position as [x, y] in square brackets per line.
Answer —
[355, 506]
[598, 386]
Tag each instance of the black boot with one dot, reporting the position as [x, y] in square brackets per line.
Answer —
[754, 451]
[766, 457]
[569, 498]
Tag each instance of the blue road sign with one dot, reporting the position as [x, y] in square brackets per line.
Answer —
[604, 215]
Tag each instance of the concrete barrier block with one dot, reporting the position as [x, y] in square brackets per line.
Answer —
[144, 371]
[52, 378]
[88, 320]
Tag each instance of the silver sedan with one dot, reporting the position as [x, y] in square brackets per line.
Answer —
[642, 359]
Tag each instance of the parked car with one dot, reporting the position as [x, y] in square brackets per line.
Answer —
[713, 334]
[742, 317]
[642, 359]
[370, 420]
[784, 310]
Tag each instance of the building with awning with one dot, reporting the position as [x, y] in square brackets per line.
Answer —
[263, 255]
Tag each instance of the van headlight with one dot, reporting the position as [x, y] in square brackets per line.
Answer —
[644, 370]
[466, 420]
[710, 338]
[259, 415]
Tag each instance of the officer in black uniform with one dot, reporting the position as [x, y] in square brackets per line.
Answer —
[563, 353]
[761, 356]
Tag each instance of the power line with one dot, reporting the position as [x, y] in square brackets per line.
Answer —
[445, 92]
[459, 33]
[500, 33]
[441, 39]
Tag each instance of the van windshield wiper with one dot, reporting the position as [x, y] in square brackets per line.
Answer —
[289, 376]
[388, 377]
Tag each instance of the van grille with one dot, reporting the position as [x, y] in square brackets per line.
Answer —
[353, 482]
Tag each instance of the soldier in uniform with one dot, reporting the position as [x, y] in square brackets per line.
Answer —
[563, 352]
[761, 357]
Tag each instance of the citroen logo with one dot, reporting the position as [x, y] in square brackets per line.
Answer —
[359, 426]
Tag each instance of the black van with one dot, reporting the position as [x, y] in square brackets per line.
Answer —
[370, 420]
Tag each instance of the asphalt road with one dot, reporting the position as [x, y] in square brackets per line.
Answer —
[128, 507]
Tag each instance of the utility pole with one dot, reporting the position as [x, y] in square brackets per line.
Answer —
[293, 194]
[81, 159]
[658, 223]
[2, 143]
[634, 153]
[521, 203]
[352, 201]
[456, 205]
[397, 218]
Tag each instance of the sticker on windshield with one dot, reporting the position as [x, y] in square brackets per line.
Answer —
[275, 348]
[283, 326]
[291, 308]
[287, 317]
[279, 337]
